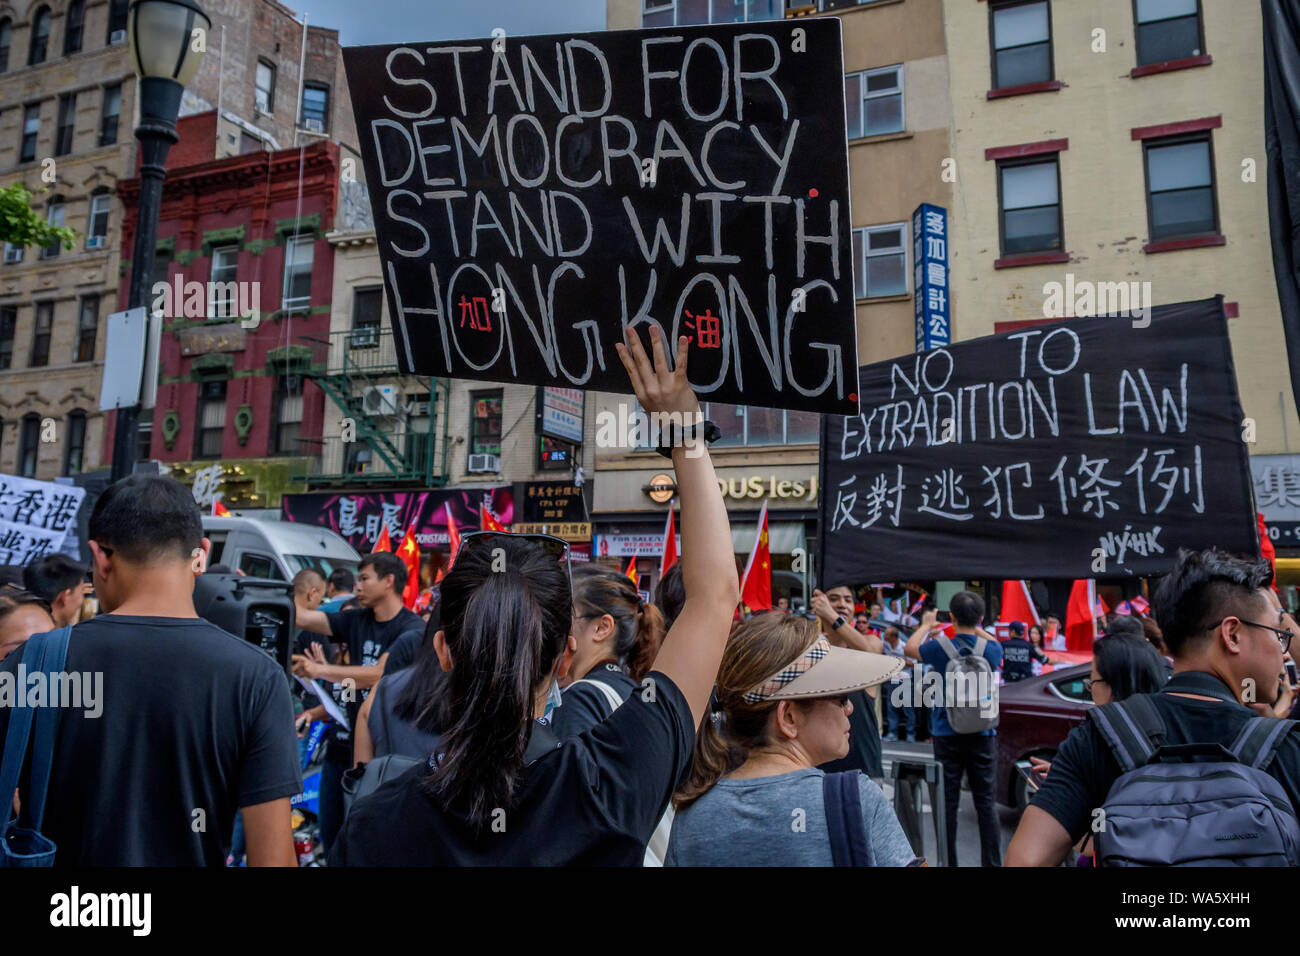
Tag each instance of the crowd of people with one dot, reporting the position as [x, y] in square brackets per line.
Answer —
[543, 713]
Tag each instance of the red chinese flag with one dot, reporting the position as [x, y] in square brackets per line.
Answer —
[756, 584]
[409, 552]
[631, 569]
[453, 537]
[669, 557]
[219, 510]
[1017, 605]
[384, 543]
[1266, 549]
[1080, 617]
[488, 521]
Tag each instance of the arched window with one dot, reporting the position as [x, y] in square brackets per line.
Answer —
[74, 26]
[40, 40]
[29, 441]
[74, 442]
[6, 37]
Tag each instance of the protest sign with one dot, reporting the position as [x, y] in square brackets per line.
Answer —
[36, 518]
[534, 196]
[1092, 448]
[360, 518]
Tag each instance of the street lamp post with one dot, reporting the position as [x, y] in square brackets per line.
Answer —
[168, 38]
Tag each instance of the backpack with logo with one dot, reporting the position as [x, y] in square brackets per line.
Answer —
[975, 707]
[1168, 808]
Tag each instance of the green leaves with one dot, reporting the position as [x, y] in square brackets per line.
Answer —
[20, 225]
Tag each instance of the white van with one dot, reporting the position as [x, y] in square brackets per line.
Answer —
[276, 549]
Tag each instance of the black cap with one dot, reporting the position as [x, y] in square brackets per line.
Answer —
[1017, 629]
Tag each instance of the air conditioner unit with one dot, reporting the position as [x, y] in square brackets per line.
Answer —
[96, 242]
[485, 463]
[418, 409]
[313, 125]
[380, 400]
[117, 36]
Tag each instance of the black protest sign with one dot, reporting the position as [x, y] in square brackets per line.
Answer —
[534, 196]
[1092, 448]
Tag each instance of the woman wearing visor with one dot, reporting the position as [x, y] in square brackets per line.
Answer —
[503, 789]
[755, 796]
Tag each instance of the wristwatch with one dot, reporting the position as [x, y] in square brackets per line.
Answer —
[839, 622]
[674, 437]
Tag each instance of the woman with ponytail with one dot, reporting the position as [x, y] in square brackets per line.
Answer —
[755, 795]
[502, 788]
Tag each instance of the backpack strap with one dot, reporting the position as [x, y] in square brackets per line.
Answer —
[20, 726]
[1259, 740]
[47, 725]
[848, 834]
[980, 644]
[1131, 728]
[948, 647]
[612, 697]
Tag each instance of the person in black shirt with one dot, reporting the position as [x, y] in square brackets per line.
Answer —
[503, 789]
[194, 722]
[835, 609]
[365, 635]
[1018, 655]
[1226, 632]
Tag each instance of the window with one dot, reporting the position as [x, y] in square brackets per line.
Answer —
[8, 325]
[31, 126]
[6, 38]
[1180, 188]
[74, 26]
[29, 438]
[40, 37]
[874, 100]
[1022, 44]
[13, 253]
[54, 216]
[554, 454]
[211, 420]
[264, 91]
[225, 268]
[315, 107]
[41, 334]
[87, 329]
[1167, 30]
[297, 272]
[1029, 195]
[117, 17]
[74, 442]
[880, 260]
[288, 416]
[367, 309]
[67, 118]
[485, 423]
[419, 432]
[750, 425]
[667, 13]
[109, 114]
[259, 566]
[97, 231]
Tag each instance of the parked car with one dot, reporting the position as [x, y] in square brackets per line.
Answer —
[276, 549]
[1035, 717]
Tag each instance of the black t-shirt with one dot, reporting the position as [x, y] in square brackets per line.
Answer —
[1018, 656]
[367, 640]
[594, 800]
[864, 739]
[584, 705]
[1084, 769]
[193, 719]
[403, 651]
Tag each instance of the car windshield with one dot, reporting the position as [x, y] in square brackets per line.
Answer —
[325, 565]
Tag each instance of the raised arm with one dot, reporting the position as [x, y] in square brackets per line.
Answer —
[913, 647]
[317, 622]
[692, 649]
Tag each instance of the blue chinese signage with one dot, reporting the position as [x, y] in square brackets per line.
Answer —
[930, 276]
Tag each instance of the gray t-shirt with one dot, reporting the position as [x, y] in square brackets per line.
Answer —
[778, 821]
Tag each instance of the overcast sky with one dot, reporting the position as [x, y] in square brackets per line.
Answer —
[396, 21]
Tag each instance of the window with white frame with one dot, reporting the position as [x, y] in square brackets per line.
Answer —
[225, 268]
[298, 252]
[669, 13]
[264, 87]
[873, 100]
[880, 260]
[100, 204]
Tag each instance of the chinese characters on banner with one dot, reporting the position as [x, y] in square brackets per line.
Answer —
[554, 509]
[930, 276]
[36, 518]
[1082, 449]
[360, 518]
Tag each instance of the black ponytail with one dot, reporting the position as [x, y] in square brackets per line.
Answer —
[506, 615]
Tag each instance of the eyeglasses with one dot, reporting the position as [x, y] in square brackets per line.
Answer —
[557, 547]
[1283, 634]
[1089, 681]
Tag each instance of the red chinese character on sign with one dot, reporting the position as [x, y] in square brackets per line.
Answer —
[710, 329]
[477, 311]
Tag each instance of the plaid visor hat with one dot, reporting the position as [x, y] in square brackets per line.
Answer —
[823, 670]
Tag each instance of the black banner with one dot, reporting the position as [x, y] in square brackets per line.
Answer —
[1092, 448]
[534, 196]
[1282, 144]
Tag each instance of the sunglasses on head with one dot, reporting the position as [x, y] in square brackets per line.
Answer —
[556, 547]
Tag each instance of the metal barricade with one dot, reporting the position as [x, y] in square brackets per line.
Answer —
[910, 777]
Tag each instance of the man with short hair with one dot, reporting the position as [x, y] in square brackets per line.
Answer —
[834, 607]
[1227, 634]
[62, 582]
[974, 755]
[193, 722]
[339, 589]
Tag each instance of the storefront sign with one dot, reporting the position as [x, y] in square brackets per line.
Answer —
[360, 517]
[759, 486]
[201, 339]
[569, 531]
[632, 545]
[559, 413]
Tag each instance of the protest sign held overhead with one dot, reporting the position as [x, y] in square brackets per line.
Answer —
[1092, 448]
[37, 518]
[534, 196]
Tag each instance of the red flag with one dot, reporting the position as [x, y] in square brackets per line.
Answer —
[1017, 605]
[756, 583]
[917, 606]
[453, 537]
[1081, 617]
[219, 510]
[1139, 604]
[669, 556]
[409, 552]
[488, 521]
[631, 569]
[1266, 549]
[384, 543]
